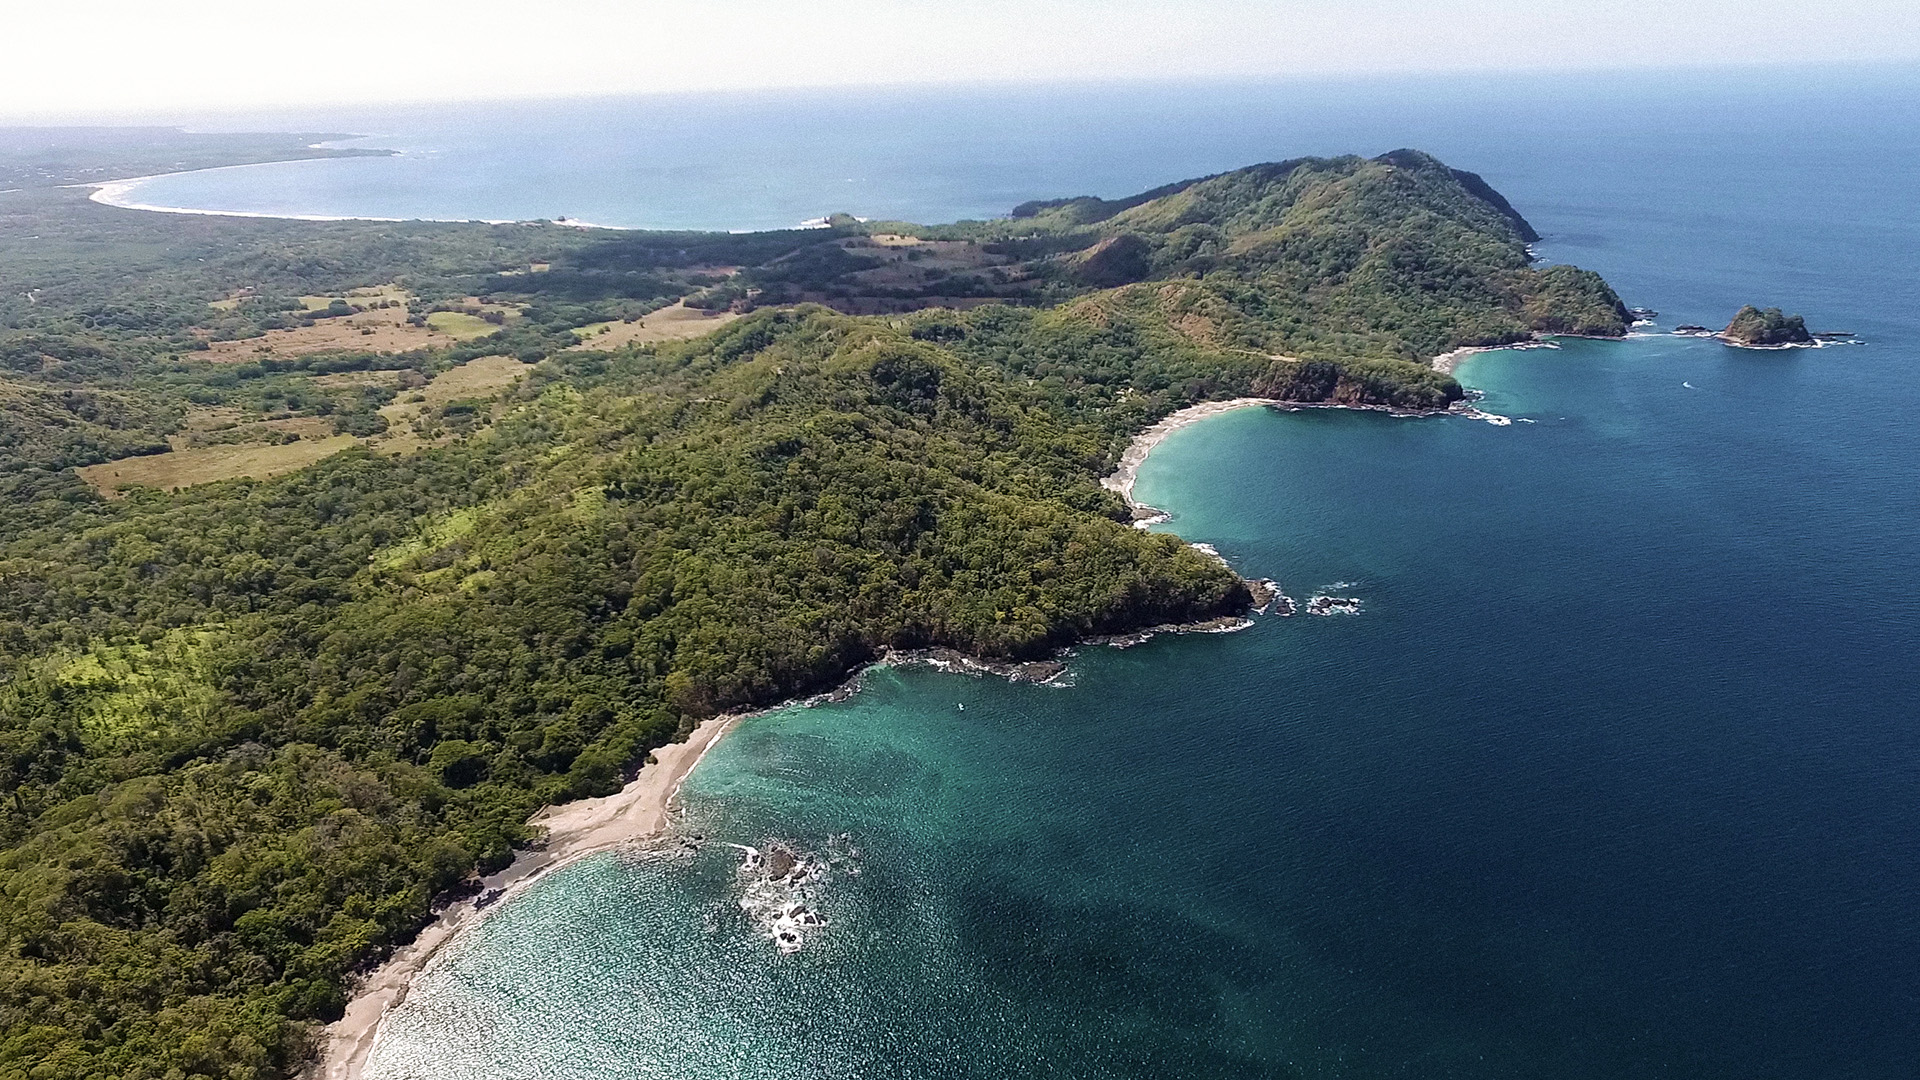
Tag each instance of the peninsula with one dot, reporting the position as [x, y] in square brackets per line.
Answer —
[335, 551]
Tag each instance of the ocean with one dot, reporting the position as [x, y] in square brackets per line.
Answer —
[1616, 773]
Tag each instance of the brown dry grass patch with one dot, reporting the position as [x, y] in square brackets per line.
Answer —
[676, 323]
[382, 330]
[356, 378]
[196, 435]
[482, 377]
[910, 262]
[185, 468]
[190, 462]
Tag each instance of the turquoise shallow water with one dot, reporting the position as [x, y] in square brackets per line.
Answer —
[1617, 773]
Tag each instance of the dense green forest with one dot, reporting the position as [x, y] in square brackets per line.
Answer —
[251, 729]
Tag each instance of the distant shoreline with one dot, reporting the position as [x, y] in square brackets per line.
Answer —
[118, 194]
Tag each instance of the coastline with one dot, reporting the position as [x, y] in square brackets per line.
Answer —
[119, 194]
[641, 810]
[1448, 362]
[1121, 480]
[637, 812]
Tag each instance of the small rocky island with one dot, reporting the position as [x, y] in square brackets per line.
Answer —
[1754, 327]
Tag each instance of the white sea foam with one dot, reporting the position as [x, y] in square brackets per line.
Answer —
[784, 907]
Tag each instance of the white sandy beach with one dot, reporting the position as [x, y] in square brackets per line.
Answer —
[121, 194]
[637, 812]
[1447, 361]
[1121, 481]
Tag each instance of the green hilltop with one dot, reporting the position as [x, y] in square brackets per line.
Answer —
[252, 728]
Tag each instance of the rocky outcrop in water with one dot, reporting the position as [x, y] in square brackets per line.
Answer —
[1757, 327]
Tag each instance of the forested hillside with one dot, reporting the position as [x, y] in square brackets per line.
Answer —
[332, 551]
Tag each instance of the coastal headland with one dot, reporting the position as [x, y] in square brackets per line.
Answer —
[360, 679]
[640, 811]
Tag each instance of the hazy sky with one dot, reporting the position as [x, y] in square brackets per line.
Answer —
[134, 56]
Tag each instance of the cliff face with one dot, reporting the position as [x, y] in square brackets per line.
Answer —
[1766, 326]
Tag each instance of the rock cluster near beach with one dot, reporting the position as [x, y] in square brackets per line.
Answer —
[779, 883]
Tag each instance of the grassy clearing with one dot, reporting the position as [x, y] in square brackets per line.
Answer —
[377, 329]
[218, 429]
[410, 417]
[356, 378]
[197, 459]
[437, 535]
[135, 692]
[676, 323]
[459, 325]
[482, 376]
[366, 297]
[910, 262]
[204, 465]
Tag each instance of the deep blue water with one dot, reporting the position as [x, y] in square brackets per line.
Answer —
[1617, 774]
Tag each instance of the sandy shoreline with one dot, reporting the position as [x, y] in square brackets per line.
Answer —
[1446, 362]
[1122, 479]
[637, 812]
[119, 194]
